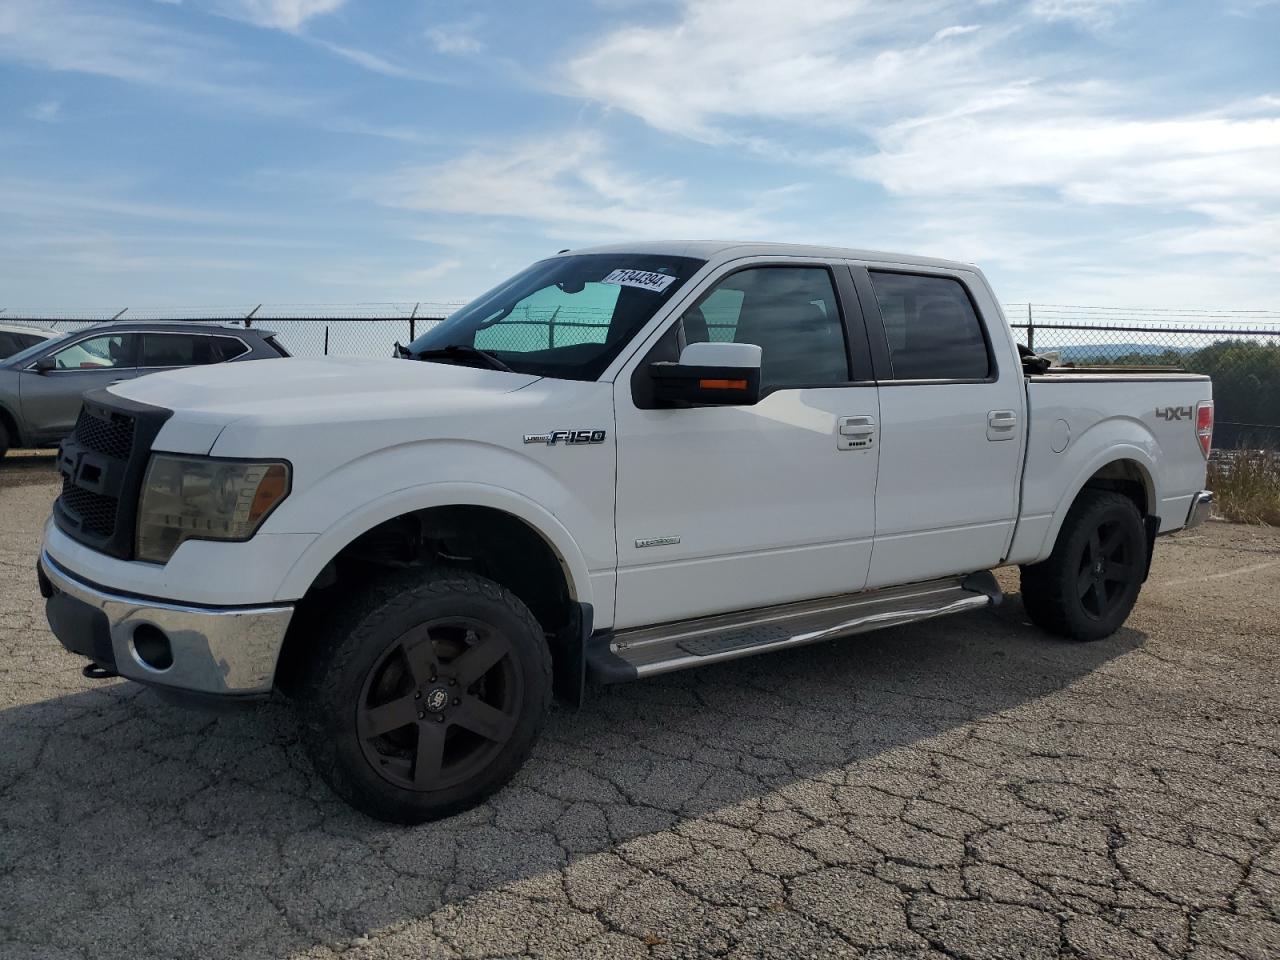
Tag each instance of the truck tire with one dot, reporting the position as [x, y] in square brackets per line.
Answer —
[4, 439]
[425, 695]
[1087, 587]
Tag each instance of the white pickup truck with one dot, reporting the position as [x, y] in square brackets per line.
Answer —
[620, 462]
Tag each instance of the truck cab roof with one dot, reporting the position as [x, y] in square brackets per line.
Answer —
[721, 250]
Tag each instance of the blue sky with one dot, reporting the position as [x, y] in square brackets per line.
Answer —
[212, 152]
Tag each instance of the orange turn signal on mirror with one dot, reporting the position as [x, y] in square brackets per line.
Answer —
[722, 384]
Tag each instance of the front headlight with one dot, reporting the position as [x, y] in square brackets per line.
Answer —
[201, 498]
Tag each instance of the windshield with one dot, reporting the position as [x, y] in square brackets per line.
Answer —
[567, 317]
[25, 356]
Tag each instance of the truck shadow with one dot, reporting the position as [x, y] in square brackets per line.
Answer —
[132, 828]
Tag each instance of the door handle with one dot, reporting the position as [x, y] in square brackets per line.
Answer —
[855, 433]
[1001, 423]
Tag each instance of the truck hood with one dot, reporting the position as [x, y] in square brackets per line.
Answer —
[299, 391]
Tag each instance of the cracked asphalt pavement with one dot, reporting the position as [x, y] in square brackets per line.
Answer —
[966, 787]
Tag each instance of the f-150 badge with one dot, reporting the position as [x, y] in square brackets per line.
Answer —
[565, 436]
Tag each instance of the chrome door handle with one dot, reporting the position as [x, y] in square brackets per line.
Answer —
[1001, 423]
[855, 433]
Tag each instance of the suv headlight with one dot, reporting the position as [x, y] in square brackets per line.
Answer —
[203, 498]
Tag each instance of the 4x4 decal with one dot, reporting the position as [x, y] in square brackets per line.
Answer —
[1175, 413]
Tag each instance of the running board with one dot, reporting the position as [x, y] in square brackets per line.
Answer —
[649, 651]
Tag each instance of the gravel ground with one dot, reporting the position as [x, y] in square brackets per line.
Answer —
[962, 788]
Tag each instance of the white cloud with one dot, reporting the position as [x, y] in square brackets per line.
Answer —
[1094, 14]
[941, 116]
[66, 36]
[822, 61]
[570, 186]
[46, 111]
[280, 14]
[455, 38]
[370, 61]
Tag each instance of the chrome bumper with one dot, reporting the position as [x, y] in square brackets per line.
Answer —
[229, 651]
[1201, 505]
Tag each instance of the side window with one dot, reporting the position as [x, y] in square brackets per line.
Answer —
[179, 350]
[97, 353]
[9, 344]
[789, 312]
[931, 327]
[227, 348]
[189, 350]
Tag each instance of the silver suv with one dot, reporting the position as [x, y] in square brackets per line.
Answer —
[41, 386]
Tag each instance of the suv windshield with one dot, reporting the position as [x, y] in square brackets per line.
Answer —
[567, 317]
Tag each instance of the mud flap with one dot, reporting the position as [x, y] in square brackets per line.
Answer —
[1151, 525]
[569, 663]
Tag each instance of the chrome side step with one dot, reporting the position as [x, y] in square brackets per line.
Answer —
[649, 651]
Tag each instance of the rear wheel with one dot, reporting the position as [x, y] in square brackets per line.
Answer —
[426, 696]
[1087, 587]
[4, 439]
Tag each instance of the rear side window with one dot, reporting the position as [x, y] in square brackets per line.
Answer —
[9, 344]
[931, 326]
[188, 350]
[227, 348]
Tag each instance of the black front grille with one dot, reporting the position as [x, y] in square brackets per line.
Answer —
[111, 436]
[102, 465]
[96, 513]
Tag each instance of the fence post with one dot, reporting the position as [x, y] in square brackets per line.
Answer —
[1031, 330]
[326, 339]
[413, 323]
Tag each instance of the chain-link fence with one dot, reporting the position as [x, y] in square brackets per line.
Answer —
[1239, 349]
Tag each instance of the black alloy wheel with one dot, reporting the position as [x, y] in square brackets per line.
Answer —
[424, 693]
[439, 703]
[1088, 585]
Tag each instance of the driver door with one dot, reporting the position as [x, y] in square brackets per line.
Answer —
[50, 399]
[730, 508]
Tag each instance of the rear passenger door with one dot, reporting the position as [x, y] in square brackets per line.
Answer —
[951, 425]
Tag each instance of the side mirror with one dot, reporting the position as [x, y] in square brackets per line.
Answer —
[709, 374]
[45, 364]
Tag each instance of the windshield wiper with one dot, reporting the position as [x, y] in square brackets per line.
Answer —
[457, 351]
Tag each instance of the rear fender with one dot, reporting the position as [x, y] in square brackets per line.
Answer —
[1108, 441]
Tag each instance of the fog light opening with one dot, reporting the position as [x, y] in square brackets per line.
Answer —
[151, 647]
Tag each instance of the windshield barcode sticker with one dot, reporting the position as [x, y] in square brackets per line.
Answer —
[657, 282]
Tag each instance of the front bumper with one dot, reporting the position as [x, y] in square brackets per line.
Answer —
[1201, 505]
[229, 651]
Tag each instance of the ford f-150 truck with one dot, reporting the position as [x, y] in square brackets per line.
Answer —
[620, 462]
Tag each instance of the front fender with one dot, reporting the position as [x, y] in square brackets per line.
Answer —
[407, 500]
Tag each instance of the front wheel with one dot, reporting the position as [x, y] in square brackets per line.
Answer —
[426, 695]
[1087, 587]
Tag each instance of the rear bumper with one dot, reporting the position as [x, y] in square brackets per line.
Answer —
[225, 651]
[1201, 505]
